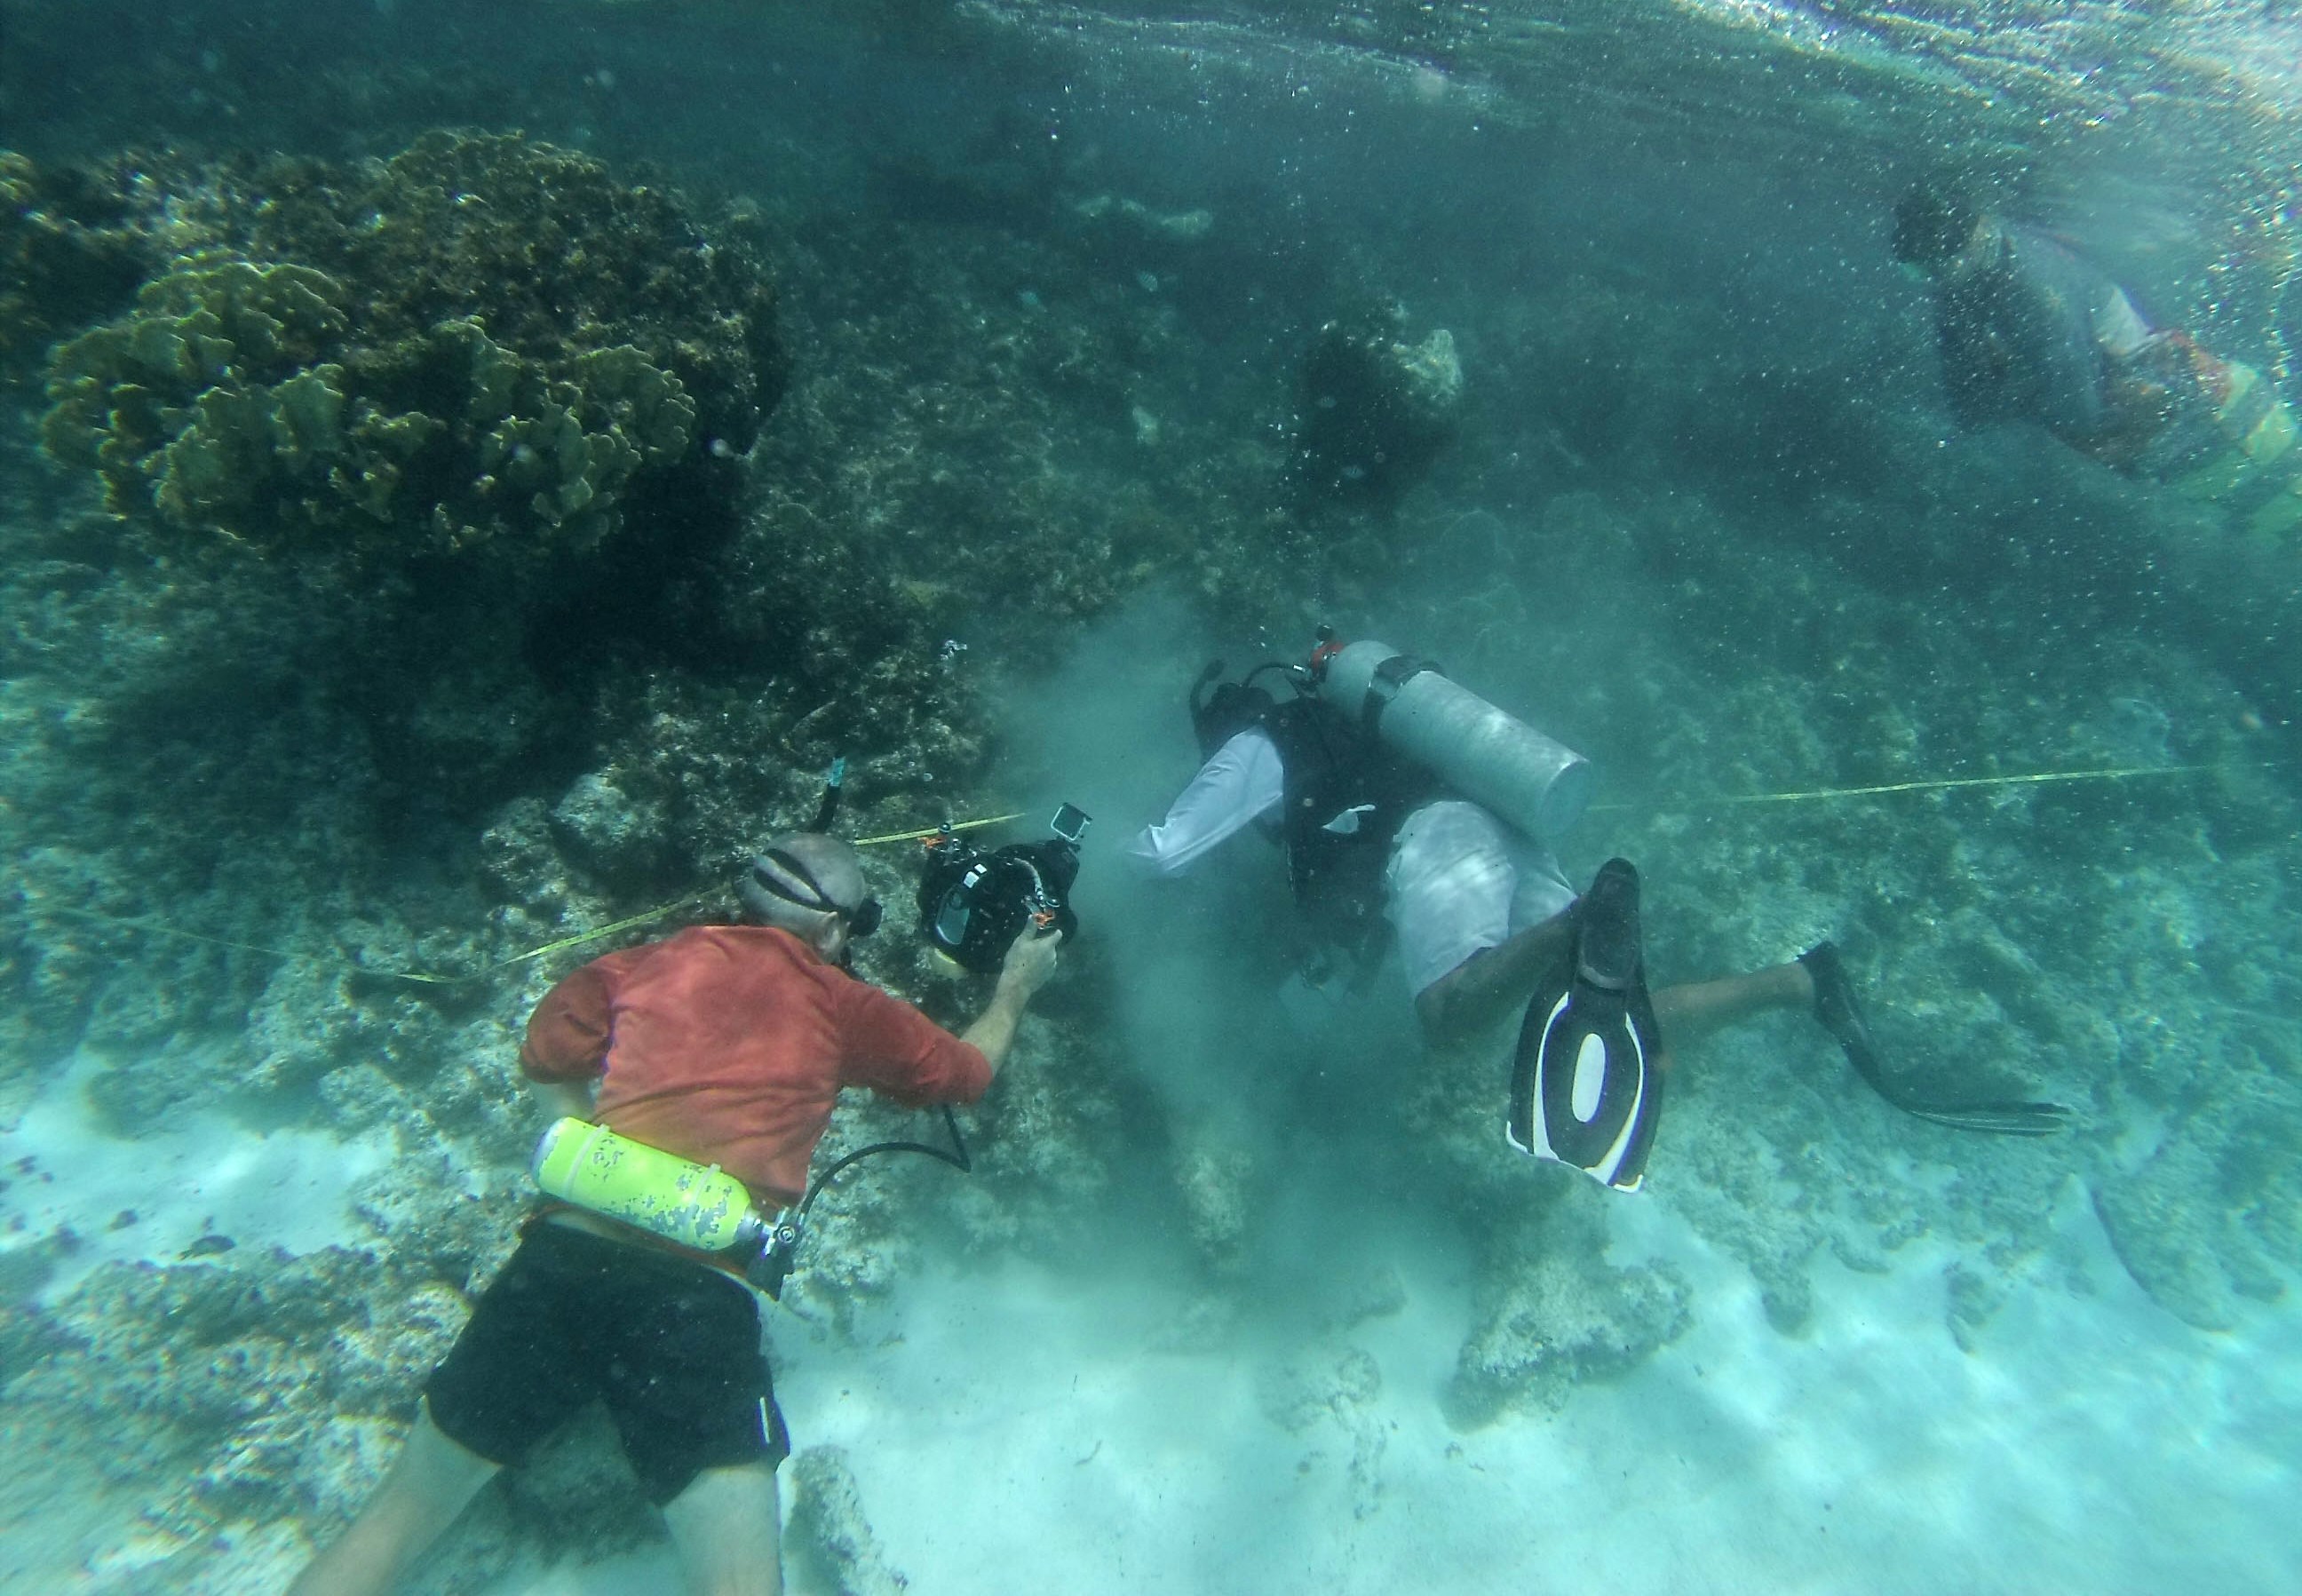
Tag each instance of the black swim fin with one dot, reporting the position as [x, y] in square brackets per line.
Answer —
[1586, 1086]
[1842, 1017]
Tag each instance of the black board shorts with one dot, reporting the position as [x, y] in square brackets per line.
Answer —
[671, 1346]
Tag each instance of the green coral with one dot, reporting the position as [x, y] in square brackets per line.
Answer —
[232, 398]
[549, 249]
[482, 343]
[172, 404]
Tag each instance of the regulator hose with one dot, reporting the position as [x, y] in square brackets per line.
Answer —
[776, 1260]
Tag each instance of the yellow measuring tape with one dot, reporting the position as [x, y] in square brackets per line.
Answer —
[913, 836]
[157, 930]
[154, 928]
[660, 911]
[1937, 786]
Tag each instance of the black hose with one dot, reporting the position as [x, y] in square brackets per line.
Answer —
[958, 1160]
[774, 1262]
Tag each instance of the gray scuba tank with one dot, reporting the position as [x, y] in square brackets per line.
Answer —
[1494, 759]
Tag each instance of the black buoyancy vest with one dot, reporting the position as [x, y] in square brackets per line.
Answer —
[1334, 768]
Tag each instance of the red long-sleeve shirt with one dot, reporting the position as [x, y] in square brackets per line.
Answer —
[728, 1044]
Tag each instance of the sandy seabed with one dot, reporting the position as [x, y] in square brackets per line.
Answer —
[1018, 1428]
[1016, 1432]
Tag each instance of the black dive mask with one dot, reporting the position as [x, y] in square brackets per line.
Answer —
[862, 919]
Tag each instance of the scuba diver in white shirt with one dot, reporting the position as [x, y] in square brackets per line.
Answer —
[1413, 811]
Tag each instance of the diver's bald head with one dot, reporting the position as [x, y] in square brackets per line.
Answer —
[799, 880]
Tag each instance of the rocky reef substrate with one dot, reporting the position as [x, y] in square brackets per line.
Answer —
[413, 579]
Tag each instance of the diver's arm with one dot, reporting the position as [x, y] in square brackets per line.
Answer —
[564, 1051]
[1026, 968]
[2120, 330]
[1491, 981]
[1242, 781]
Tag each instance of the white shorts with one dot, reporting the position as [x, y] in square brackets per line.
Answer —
[1460, 881]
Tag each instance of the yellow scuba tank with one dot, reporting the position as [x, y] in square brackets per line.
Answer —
[694, 1204]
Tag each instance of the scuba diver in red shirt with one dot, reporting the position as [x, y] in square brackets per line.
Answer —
[2028, 332]
[723, 1046]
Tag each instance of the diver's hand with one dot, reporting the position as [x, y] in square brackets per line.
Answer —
[1030, 960]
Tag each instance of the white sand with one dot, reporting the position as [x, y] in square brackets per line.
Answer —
[209, 1175]
[1019, 1436]
[1017, 1429]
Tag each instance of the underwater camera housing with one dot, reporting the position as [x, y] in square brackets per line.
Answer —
[974, 904]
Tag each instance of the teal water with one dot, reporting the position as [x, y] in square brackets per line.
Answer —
[1245, 1294]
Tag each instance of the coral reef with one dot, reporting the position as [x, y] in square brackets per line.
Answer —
[967, 459]
[557, 254]
[1552, 1313]
[265, 1385]
[71, 250]
[365, 403]
[426, 358]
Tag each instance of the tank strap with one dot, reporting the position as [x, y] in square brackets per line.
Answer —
[1383, 685]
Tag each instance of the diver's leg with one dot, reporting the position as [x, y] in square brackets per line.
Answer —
[1493, 980]
[1451, 892]
[727, 1526]
[427, 1489]
[1695, 1009]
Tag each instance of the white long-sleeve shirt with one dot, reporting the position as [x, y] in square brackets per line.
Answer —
[1239, 784]
[1459, 879]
